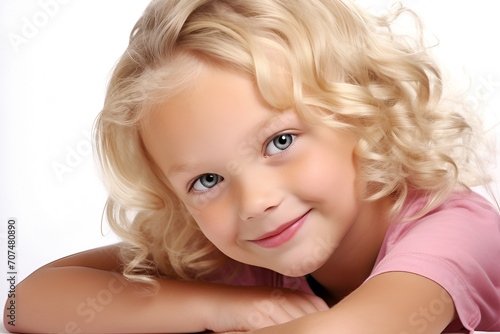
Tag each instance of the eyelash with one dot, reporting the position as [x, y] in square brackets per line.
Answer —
[293, 138]
[193, 183]
[265, 154]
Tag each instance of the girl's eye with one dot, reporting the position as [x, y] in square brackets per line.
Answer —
[279, 143]
[206, 181]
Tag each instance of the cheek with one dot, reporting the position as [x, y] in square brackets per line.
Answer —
[215, 223]
[324, 176]
[220, 226]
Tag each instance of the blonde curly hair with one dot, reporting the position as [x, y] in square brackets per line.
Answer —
[329, 60]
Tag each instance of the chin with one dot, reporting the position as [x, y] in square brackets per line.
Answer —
[294, 273]
[307, 266]
[298, 271]
[307, 263]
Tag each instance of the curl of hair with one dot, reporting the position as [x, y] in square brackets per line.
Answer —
[329, 60]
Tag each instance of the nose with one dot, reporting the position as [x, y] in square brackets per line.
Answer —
[258, 194]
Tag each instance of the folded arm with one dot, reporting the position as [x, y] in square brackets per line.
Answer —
[86, 293]
[394, 302]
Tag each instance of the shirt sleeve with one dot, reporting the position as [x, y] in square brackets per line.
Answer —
[458, 247]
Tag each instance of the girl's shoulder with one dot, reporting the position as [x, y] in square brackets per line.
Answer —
[466, 220]
[462, 208]
[456, 245]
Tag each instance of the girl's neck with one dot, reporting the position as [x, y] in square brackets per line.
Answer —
[352, 262]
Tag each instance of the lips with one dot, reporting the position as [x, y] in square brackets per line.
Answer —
[282, 234]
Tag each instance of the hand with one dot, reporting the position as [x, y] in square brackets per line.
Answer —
[251, 308]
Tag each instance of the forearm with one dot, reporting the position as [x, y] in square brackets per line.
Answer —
[79, 299]
[394, 302]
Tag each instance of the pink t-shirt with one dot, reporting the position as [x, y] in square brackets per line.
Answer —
[456, 245]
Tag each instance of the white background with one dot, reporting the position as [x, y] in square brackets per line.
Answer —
[55, 60]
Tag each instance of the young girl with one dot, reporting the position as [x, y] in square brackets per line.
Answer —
[278, 167]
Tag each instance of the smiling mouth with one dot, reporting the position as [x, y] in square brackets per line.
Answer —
[282, 234]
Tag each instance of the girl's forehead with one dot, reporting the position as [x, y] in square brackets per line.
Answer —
[212, 93]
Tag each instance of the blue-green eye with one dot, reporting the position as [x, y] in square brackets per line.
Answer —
[279, 143]
[206, 181]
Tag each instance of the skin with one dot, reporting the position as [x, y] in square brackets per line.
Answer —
[266, 187]
[239, 181]
[85, 293]
[259, 186]
[268, 169]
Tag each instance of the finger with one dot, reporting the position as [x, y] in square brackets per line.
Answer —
[271, 316]
[318, 303]
[297, 308]
[307, 305]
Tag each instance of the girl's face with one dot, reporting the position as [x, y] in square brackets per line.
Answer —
[265, 187]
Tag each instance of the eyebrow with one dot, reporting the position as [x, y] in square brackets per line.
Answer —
[181, 168]
[268, 127]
